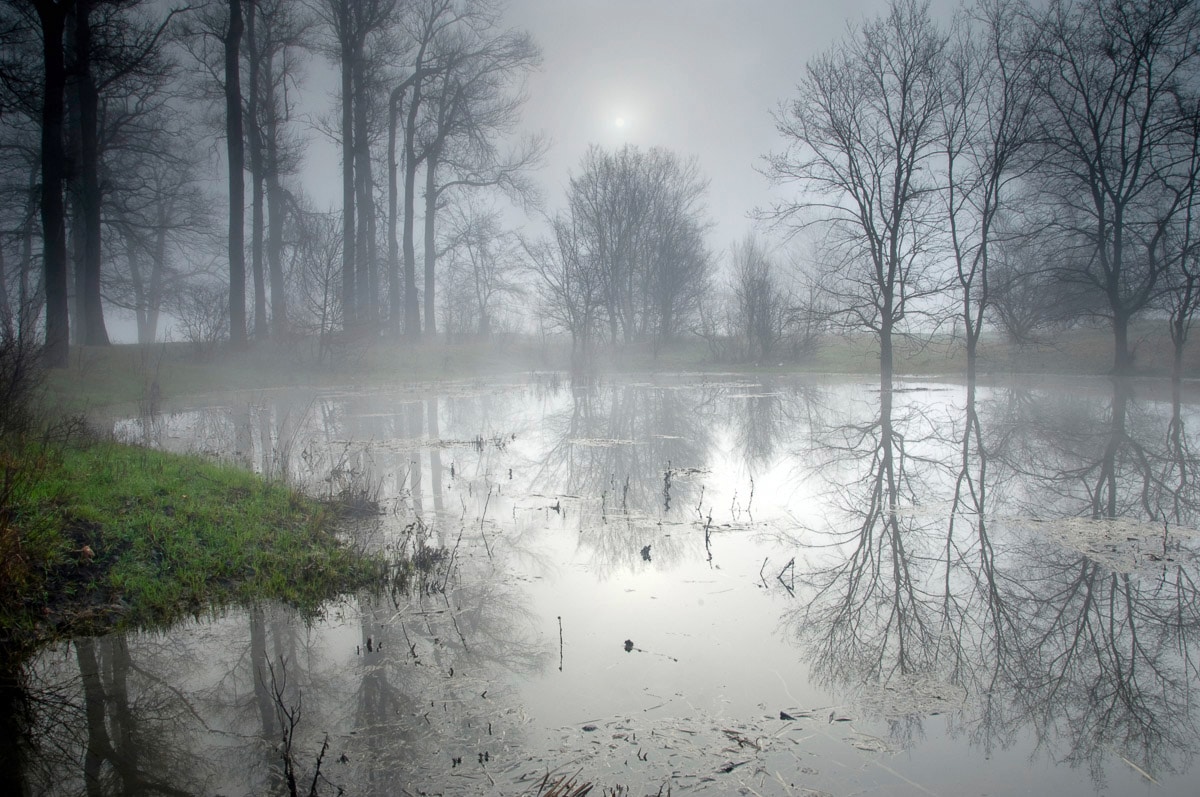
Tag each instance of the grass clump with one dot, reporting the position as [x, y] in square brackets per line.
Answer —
[111, 536]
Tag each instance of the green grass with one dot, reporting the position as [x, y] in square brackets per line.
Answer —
[102, 536]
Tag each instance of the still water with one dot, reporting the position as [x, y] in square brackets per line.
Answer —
[712, 585]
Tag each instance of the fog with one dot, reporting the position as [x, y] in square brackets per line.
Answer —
[769, 397]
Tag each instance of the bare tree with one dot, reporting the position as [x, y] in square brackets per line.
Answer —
[1026, 297]
[473, 100]
[20, 169]
[316, 276]
[569, 287]
[759, 304]
[159, 216]
[861, 138]
[639, 218]
[275, 45]
[1112, 136]
[51, 20]
[986, 123]
[483, 267]
[1182, 246]
[235, 147]
[352, 24]
[428, 22]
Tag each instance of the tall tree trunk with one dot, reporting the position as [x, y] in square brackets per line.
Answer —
[431, 199]
[6, 313]
[237, 186]
[412, 306]
[886, 355]
[54, 236]
[349, 313]
[275, 217]
[396, 302]
[275, 209]
[75, 243]
[366, 277]
[93, 332]
[1122, 354]
[29, 304]
[140, 301]
[255, 140]
[158, 270]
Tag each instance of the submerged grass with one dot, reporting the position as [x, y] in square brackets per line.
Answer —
[100, 536]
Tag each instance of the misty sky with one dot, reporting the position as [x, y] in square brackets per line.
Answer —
[698, 76]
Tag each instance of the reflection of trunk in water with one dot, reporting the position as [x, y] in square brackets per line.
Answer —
[415, 417]
[1042, 636]
[435, 470]
[378, 703]
[15, 722]
[98, 748]
[104, 668]
[260, 673]
[873, 613]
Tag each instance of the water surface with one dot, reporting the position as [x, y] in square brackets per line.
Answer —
[800, 586]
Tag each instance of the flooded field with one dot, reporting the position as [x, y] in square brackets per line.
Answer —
[713, 585]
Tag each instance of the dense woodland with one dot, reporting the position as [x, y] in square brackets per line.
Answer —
[1018, 169]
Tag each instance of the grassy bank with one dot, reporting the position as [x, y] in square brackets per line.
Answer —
[99, 536]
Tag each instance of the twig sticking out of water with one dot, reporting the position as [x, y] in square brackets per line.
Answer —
[482, 533]
[560, 644]
[708, 536]
[563, 786]
[790, 569]
[289, 718]
[450, 564]
[667, 488]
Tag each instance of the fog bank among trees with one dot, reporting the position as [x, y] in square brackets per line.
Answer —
[1020, 168]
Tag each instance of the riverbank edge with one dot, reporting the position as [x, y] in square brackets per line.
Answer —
[98, 536]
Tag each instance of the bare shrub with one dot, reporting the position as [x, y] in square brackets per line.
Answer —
[202, 313]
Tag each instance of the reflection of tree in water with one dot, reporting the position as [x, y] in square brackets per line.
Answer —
[870, 616]
[1100, 456]
[764, 418]
[102, 720]
[141, 715]
[431, 680]
[1049, 642]
[628, 452]
[1105, 661]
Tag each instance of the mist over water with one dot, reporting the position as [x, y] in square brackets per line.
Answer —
[709, 583]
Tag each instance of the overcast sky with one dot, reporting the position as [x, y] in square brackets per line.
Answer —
[700, 77]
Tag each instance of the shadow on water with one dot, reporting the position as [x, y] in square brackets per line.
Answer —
[1000, 583]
